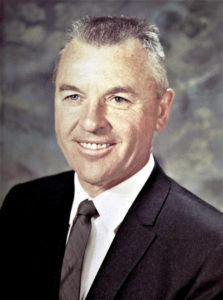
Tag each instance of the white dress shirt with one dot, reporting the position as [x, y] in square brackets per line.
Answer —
[112, 206]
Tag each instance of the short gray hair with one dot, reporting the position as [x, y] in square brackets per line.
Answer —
[108, 30]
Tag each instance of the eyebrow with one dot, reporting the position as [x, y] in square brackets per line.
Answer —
[68, 87]
[121, 89]
[114, 90]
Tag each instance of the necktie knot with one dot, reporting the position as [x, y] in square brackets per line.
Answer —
[87, 208]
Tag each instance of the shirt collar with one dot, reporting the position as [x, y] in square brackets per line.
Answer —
[113, 204]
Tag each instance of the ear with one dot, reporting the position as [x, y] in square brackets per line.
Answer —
[163, 111]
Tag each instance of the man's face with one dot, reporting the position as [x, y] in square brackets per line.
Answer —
[106, 111]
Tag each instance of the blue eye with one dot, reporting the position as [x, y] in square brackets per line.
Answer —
[118, 102]
[119, 99]
[73, 97]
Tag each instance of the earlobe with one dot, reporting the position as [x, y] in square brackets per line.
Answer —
[163, 111]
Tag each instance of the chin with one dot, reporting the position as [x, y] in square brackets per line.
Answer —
[93, 179]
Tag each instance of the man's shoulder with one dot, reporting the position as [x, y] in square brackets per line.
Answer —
[47, 181]
[181, 209]
[185, 200]
[43, 189]
[179, 196]
[191, 214]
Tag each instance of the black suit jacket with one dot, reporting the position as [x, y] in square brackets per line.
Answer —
[169, 246]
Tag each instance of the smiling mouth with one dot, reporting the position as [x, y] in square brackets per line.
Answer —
[94, 146]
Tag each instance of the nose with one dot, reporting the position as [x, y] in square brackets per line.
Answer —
[92, 117]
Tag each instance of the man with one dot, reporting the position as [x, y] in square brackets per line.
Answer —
[149, 238]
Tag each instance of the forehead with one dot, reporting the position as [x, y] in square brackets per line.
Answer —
[130, 53]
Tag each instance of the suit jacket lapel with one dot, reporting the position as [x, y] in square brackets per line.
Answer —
[135, 236]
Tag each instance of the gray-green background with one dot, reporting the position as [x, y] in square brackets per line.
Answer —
[190, 149]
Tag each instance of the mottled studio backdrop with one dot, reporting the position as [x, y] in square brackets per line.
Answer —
[190, 149]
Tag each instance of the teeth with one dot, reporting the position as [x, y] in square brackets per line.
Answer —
[94, 146]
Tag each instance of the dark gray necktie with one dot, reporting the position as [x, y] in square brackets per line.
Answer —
[74, 252]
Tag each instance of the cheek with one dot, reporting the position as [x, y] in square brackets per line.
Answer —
[57, 123]
[64, 121]
[142, 131]
[129, 130]
[61, 130]
[57, 116]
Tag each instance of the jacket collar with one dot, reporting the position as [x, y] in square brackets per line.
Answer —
[133, 239]
[152, 197]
